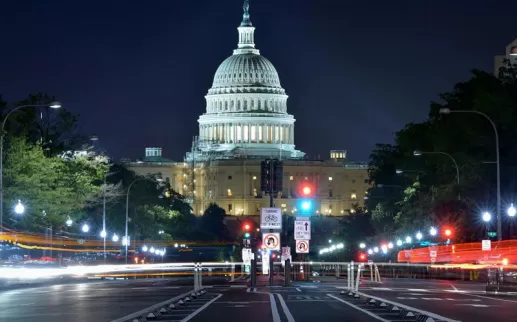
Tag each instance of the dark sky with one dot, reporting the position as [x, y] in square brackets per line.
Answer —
[355, 71]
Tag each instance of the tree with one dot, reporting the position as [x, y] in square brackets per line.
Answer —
[428, 190]
[212, 221]
[51, 188]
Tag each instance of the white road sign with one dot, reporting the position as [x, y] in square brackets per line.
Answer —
[271, 218]
[486, 245]
[246, 256]
[302, 230]
[271, 241]
[302, 246]
[265, 265]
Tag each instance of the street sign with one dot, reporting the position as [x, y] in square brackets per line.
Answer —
[271, 218]
[492, 234]
[302, 246]
[246, 256]
[486, 244]
[271, 241]
[302, 230]
[265, 265]
[286, 254]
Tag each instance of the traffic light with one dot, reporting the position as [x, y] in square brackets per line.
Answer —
[306, 191]
[448, 232]
[271, 176]
[247, 228]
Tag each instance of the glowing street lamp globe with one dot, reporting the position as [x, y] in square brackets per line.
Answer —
[19, 208]
[419, 236]
[85, 228]
[115, 238]
[433, 231]
[487, 216]
[511, 211]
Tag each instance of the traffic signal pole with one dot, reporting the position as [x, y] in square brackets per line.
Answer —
[271, 204]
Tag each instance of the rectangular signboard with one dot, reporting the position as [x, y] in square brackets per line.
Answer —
[246, 256]
[271, 218]
[265, 265]
[486, 245]
[302, 230]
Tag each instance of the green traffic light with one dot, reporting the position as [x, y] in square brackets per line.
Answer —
[247, 235]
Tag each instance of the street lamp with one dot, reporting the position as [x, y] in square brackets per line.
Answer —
[408, 239]
[103, 235]
[144, 249]
[127, 210]
[362, 245]
[85, 228]
[115, 238]
[69, 222]
[19, 208]
[53, 104]
[419, 153]
[433, 231]
[419, 236]
[498, 208]
[399, 242]
[487, 216]
[511, 211]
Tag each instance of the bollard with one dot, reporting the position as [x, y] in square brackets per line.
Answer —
[371, 272]
[348, 284]
[200, 276]
[337, 271]
[232, 278]
[352, 274]
[196, 286]
[287, 272]
[358, 278]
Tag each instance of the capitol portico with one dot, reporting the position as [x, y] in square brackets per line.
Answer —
[246, 121]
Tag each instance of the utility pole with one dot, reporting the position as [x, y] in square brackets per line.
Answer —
[271, 205]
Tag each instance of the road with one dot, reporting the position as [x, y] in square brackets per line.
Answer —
[319, 300]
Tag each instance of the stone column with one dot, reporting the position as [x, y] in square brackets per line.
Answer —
[292, 134]
[257, 133]
[235, 132]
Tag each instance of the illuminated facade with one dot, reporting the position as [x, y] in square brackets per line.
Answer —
[246, 121]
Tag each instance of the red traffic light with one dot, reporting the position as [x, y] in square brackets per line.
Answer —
[448, 232]
[306, 191]
[247, 227]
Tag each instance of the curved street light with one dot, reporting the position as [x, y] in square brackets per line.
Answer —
[53, 104]
[419, 153]
[85, 228]
[498, 208]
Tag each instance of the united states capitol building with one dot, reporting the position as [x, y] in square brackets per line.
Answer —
[247, 121]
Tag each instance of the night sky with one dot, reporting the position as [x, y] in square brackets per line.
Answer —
[355, 71]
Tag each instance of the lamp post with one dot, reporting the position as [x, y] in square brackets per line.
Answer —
[2, 134]
[127, 210]
[498, 208]
[511, 211]
[486, 218]
[419, 153]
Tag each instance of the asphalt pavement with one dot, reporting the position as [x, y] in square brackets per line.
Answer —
[318, 300]
[88, 301]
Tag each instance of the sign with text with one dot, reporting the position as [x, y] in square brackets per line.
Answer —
[271, 241]
[286, 254]
[246, 256]
[302, 246]
[486, 244]
[265, 265]
[302, 230]
[271, 218]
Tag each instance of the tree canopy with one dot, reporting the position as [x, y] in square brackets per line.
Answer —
[414, 191]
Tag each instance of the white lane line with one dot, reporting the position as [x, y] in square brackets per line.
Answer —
[409, 308]
[454, 287]
[307, 286]
[490, 298]
[417, 290]
[358, 308]
[298, 290]
[193, 314]
[286, 309]
[381, 288]
[238, 286]
[274, 309]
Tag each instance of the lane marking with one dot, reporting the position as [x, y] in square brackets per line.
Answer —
[454, 287]
[298, 290]
[381, 288]
[417, 290]
[287, 313]
[274, 309]
[491, 298]
[358, 308]
[238, 286]
[193, 314]
[409, 308]
[308, 286]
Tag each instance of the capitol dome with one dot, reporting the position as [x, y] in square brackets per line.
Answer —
[246, 108]
[247, 69]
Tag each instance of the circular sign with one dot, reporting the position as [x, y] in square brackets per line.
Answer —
[271, 241]
[302, 246]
